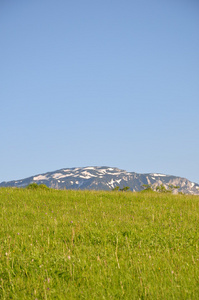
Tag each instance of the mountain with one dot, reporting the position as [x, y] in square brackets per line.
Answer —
[104, 178]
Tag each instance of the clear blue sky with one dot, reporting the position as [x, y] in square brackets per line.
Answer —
[102, 83]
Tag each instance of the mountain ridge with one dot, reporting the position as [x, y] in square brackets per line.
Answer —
[104, 178]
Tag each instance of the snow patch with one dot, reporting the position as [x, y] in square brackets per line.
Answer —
[84, 177]
[111, 183]
[89, 168]
[118, 181]
[159, 175]
[192, 184]
[40, 177]
[119, 173]
[86, 173]
[66, 175]
[103, 171]
[57, 175]
[76, 169]
[148, 181]
[60, 175]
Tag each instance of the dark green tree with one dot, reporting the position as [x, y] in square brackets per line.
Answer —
[147, 187]
[124, 189]
[116, 188]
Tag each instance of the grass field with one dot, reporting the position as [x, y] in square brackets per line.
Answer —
[98, 245]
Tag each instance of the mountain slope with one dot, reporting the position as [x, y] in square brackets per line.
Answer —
[104, 178]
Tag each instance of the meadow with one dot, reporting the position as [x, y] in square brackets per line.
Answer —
[98, 245]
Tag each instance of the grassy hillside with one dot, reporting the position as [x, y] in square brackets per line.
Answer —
[98, 245]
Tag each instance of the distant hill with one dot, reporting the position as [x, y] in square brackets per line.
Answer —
[104, 178]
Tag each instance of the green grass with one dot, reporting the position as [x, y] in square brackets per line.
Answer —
[98, 245]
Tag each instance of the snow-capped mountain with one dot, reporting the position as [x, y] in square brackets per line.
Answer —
[104, 178]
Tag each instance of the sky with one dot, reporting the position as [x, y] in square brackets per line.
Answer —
[99, 83]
